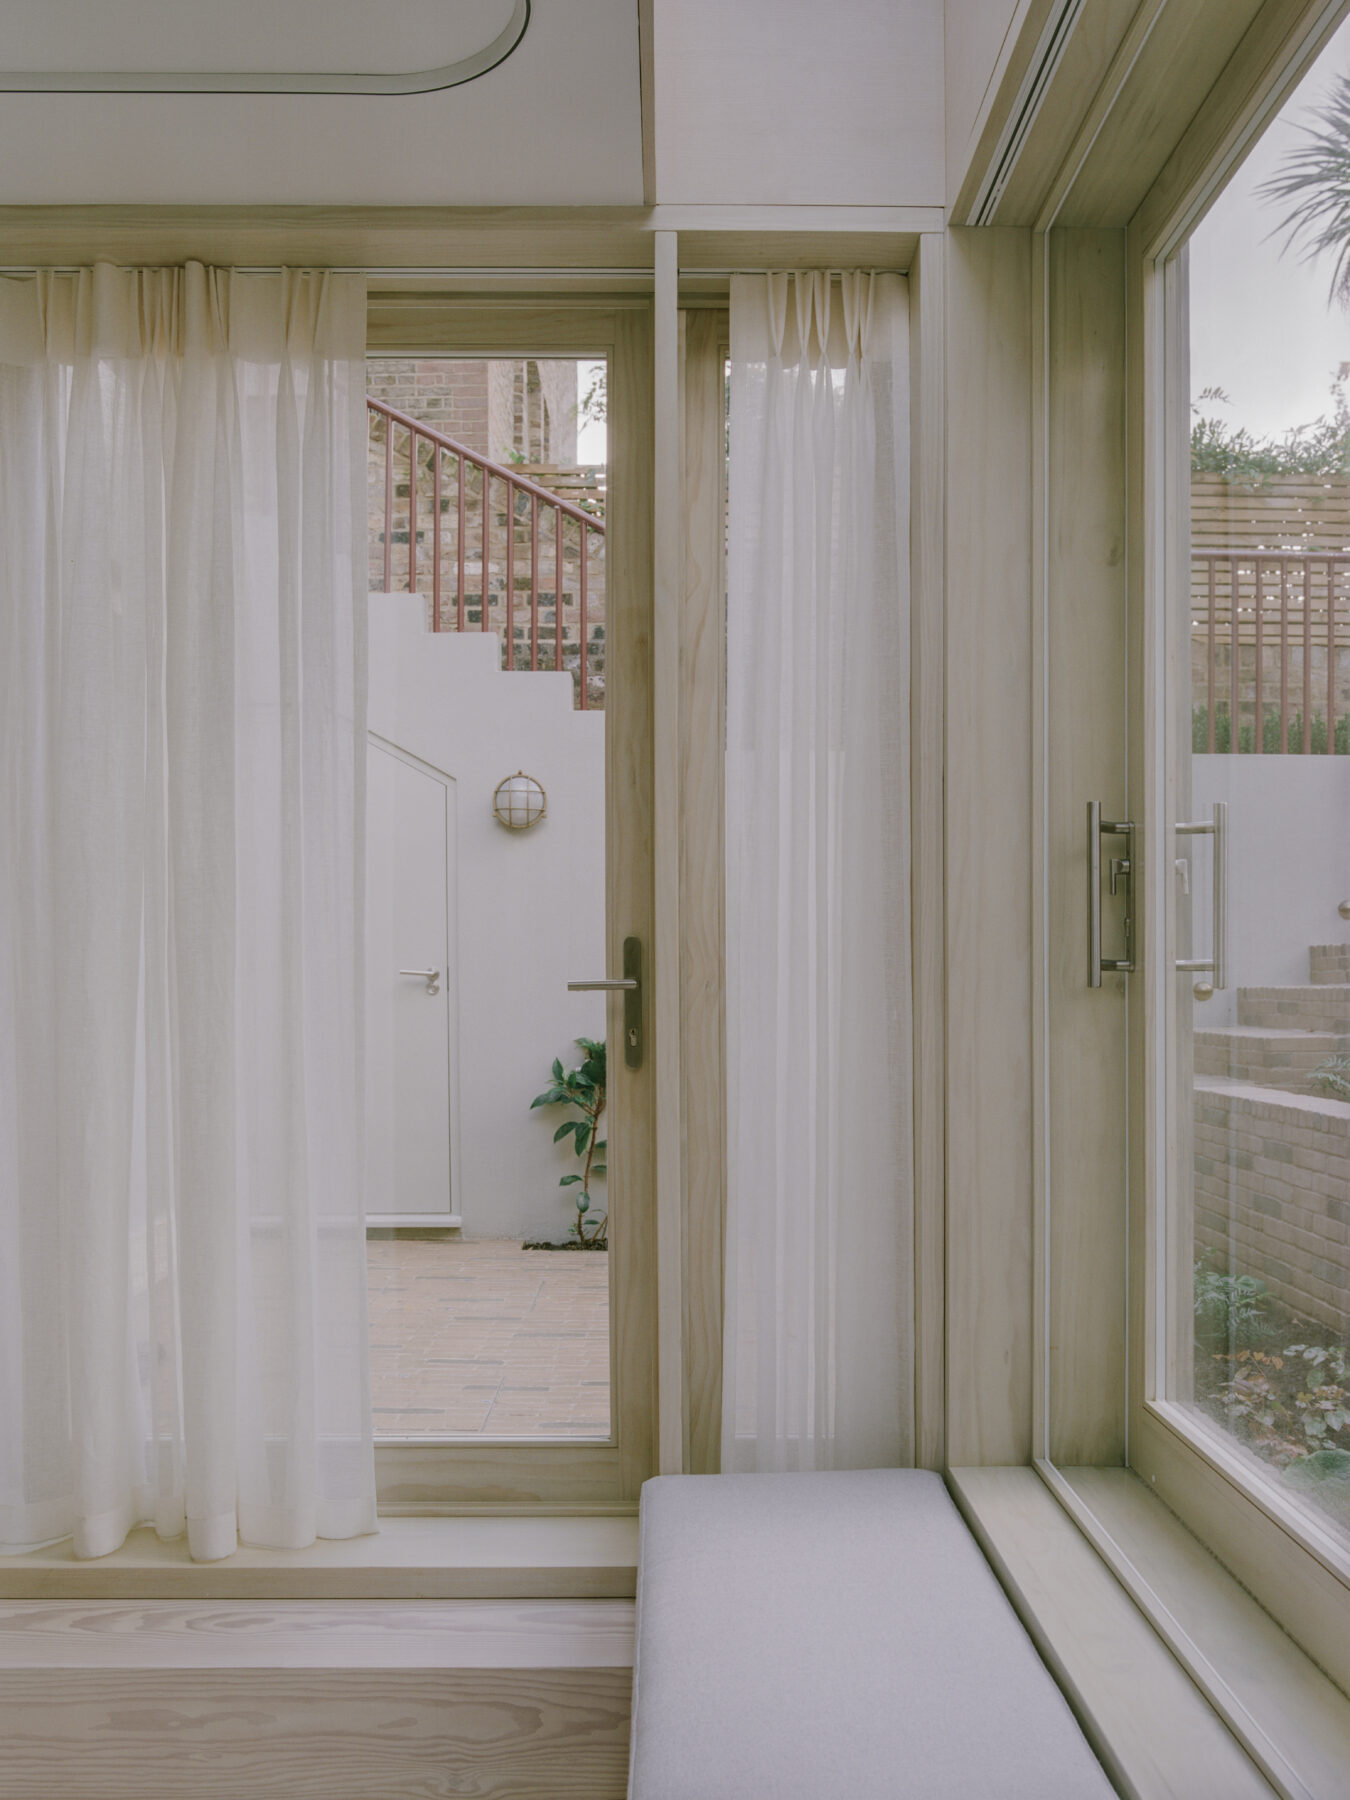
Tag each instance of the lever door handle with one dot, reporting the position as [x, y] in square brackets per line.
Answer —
[629, 984]
[430, 976]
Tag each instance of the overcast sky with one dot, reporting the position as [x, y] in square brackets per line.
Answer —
[1261, 325]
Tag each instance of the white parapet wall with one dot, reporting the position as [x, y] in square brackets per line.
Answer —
[1288, 867]
[528, 908]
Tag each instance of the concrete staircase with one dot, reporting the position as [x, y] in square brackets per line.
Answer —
[1283, 1033]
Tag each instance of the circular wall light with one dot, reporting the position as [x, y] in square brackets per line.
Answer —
[519, 801]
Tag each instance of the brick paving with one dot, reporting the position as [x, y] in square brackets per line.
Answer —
[485, 1339]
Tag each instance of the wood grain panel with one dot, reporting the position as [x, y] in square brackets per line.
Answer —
[182, 1734]
[530, 1557]
[1153, 1730]
[1305, 1714]
[927, 759]
[297, 1634]
[1085, 651]
[702, 881]
[665, 1020]
[988, 838]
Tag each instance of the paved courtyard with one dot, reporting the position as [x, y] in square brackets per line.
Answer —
[488, 1340]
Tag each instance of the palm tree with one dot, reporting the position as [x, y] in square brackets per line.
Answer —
[1314, 182]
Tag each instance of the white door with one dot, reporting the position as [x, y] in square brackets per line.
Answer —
[407, 992]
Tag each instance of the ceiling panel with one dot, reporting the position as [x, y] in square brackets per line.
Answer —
[256, 35]
[557, 124]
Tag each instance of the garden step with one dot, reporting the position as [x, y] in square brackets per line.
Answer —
[1321, 1007]
[1270, 1057]
[1329, 963]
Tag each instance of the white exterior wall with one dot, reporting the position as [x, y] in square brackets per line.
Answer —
[527, 907]
[1288, 866]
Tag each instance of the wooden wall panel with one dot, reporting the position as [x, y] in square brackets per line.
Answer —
[988, 837]
[702, 885]
[1085, 1110]
[927, 706]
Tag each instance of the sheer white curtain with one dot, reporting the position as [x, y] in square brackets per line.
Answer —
[818, 1336]
[182, 753]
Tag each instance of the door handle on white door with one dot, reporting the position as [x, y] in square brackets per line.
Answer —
[430, 976]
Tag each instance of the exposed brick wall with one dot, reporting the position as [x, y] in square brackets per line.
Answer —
[1272, 1194]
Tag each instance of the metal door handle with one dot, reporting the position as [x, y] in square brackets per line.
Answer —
[1217, 964]
[430, 976]
[629, 984]
[1122, 875]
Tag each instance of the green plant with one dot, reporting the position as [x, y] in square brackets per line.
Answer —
[1313, 182]
[582, 1088]
[1229, 1309]
[1319, 447]
[1333, 1077]
[1290, 1405]
[1270, 732]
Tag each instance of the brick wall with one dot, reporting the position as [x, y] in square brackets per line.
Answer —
[1272, 1194]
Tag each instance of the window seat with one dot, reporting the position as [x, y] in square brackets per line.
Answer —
[836, 1637]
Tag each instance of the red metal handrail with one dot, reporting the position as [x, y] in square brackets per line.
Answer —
[516, 485]
[1284, 606]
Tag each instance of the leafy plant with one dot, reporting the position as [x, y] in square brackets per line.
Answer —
[1229, 1309]
[1319, 447]
[1270, 732]
[1324, 1477]
[1290, 1405]
[1313, 183]
[1333, 1077]
[583, 1089]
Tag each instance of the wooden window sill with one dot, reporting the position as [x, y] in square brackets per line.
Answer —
[1157, 1734]
[461, 1558]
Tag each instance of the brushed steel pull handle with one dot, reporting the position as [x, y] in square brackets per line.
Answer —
[1122, 879]
[1216, 826]
[629, 984]
[430, 976]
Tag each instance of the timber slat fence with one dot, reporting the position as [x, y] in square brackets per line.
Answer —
[1270, 651]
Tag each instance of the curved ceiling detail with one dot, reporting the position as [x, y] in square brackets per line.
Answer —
[137, 81]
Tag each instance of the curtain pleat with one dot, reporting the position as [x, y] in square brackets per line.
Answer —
[182, 743]
[818, 1330]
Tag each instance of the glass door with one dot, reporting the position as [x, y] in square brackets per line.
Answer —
[508, 907]
[1256, 1240]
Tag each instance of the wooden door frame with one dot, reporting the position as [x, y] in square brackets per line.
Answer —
[576, 1476]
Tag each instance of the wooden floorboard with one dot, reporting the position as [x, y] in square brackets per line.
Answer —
[364, 1700]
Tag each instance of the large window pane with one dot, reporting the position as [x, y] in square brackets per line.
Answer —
[1262, 1044]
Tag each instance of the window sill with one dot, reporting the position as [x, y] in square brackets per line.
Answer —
[463, 1558]
[1141, 1709]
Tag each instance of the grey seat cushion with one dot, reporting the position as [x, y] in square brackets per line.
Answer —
[836, 1637]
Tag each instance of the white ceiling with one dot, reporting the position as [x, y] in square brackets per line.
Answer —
[557, 124]
[246, 34]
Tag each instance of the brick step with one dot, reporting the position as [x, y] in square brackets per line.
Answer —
[1329, 964]
[1325, 1007]
[1270, 1058]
